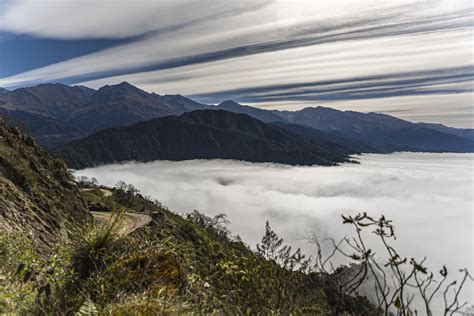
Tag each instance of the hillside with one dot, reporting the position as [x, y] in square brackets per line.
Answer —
[54, 260]
[202, 135]
[37, 193]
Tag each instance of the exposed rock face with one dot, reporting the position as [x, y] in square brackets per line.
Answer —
[37, 193]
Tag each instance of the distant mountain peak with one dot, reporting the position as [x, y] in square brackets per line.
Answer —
[179, 96]
[84, 88]
[229, 102]
[320, 108]
[230, 105]
[50, 84]
[123, 86]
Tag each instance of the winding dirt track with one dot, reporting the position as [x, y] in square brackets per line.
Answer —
[105, 193]
[128, 224]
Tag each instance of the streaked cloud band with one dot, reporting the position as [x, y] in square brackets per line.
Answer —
[271, 53]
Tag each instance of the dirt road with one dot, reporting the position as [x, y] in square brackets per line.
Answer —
[128, 224]
[105, 193]
[130, 221]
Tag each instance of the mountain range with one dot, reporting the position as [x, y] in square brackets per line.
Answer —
[386, 132]
[56, 114]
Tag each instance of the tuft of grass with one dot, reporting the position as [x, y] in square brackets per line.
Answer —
[93, 244]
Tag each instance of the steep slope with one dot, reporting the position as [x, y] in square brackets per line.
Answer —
[177, 265]
[37, 193]
[202, 134]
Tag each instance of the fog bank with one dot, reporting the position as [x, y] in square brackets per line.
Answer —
[428, 196]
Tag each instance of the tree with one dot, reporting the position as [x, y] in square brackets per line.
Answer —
[271, 244]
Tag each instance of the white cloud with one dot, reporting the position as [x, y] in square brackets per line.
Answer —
[305, 64]
[72, 19]
[68, 19]
[344, 39]
[429, 197]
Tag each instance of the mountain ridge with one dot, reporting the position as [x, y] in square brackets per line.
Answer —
[85, 111]
[203, 134]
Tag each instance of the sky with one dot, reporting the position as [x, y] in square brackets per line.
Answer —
[428, 197]
[408, 58]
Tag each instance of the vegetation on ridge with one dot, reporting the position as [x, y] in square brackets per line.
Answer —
[175, 264]
[38, 195]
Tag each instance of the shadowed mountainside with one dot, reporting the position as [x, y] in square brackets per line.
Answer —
[202, 135]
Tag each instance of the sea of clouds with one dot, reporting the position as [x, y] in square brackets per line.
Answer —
[428, 196]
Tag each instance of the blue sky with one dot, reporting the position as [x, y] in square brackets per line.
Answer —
[412, 59]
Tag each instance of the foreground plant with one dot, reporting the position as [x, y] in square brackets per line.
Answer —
[398, 282]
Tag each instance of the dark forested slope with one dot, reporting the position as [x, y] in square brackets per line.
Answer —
[202, 135]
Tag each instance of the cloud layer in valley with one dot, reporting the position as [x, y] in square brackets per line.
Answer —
[409, 58]
[429, 197]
